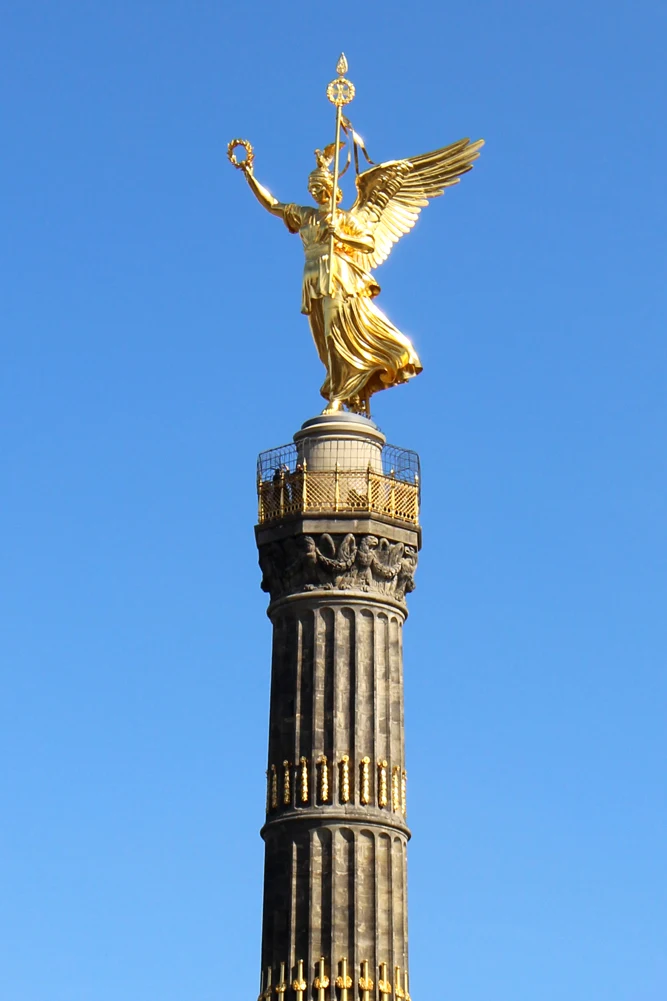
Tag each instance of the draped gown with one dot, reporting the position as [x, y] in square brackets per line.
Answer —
[361, 349]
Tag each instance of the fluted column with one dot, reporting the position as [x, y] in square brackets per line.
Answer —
[335, 884]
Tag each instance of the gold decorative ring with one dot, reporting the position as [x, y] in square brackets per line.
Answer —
[249, 151]
[340, 91]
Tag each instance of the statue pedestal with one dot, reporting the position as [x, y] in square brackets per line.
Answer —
[346, 440]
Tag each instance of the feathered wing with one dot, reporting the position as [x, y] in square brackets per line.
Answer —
[391, 195]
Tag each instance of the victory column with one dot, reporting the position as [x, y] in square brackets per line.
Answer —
[338, 535]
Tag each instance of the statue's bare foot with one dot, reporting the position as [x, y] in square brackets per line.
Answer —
[334, 407]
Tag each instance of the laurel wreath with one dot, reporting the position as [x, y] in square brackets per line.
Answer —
[247, 162]
[340, 92]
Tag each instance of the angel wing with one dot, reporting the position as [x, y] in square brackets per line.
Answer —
[391, 195]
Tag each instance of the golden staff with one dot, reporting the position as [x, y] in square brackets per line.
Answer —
[340, 92]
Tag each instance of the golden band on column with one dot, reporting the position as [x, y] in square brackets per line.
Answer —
[324, 778]
[344, 981]
[287, 797]
[345, 779]
[366, 983]
[365, 796]
[382, 782]
[396, 789]
[304, 779]
[321, 981]
[384, 985]
[281, 986]
[299, 985]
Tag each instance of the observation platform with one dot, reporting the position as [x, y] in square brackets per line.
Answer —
[338, 464]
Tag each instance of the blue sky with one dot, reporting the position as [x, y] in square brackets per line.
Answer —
[152, 345]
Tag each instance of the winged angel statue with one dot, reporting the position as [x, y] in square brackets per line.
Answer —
[361, 349]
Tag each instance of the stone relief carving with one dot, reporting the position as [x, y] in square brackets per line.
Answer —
[361, 563]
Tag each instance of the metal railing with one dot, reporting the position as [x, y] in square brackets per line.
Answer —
[401, 463]
[331, 491]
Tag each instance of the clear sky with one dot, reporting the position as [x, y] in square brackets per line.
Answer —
[152, 345]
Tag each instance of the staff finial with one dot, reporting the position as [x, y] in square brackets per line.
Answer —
[340, 92]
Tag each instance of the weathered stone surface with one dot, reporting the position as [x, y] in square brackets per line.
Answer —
[338, 562]
[335, 891]
[335, 881]
[335, 872]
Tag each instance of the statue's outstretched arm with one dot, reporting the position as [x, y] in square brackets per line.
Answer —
[263, 195]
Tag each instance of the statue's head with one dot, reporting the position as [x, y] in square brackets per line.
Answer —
[320, 180]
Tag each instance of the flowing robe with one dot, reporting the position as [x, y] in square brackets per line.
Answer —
[362, 351]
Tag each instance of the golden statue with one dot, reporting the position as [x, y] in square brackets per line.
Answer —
[362, 351]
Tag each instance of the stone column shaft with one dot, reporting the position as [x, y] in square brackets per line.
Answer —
[335, 880]
[335, 877]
